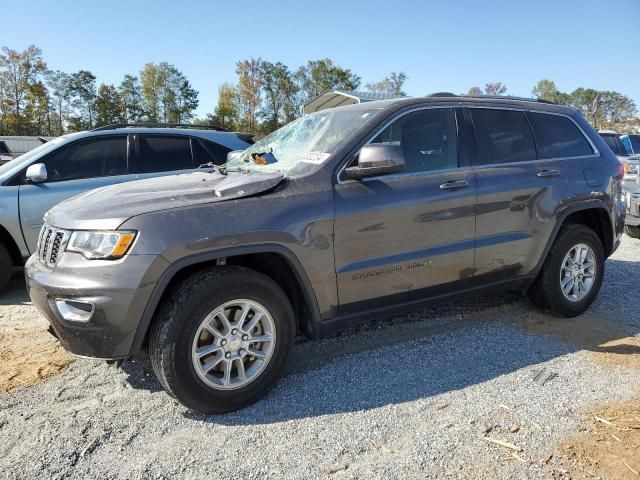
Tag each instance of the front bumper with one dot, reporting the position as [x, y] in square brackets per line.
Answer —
[632, 204]
[119, 291]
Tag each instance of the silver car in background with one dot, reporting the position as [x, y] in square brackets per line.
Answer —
[72, 164]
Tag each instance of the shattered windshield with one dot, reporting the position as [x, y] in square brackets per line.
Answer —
[303, 143]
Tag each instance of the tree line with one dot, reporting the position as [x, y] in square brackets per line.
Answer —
[265, 95]
[35, 100]
[604, 109]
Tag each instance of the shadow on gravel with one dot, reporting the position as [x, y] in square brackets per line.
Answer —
[434, 351]
[15, 293]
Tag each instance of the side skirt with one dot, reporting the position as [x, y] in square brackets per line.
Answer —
[339, 323]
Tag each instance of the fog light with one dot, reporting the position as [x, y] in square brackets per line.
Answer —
[74, 310]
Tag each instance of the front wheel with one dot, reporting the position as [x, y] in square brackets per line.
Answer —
[572, 273]
[221, 339]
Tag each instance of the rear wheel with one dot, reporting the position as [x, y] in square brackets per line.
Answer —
[632, 230]
[6, 267]
[221, 340]
[572, 273]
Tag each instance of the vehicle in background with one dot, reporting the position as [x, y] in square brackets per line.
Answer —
[612, 139]
[630, 187]
[13, 146]
[72, 164]
[631, 184]
[343, 215]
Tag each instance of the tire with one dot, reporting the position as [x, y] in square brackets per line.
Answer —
[6, 267]
[179, 327]
[632, 230]
[546, 291]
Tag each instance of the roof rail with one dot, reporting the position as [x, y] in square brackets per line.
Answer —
[510, 97]
[113, 126]
[441, 94]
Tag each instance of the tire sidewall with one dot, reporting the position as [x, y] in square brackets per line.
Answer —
[185, 382]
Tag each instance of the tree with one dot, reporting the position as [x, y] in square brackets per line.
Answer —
[37, 110]
[249, 90]
[495, 88]
[615, 108]
[59, 84]
[474, 91]
[130, 94]
[226, 112]
[166, 94]
[391, 85]
[280, 94]
[185, 100]
[18, 71]
[318, 76]
[108, 105]
[152, 80]
[83, 90]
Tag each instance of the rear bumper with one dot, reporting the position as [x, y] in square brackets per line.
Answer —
[117, 290]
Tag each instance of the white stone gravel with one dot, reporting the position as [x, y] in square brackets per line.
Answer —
[407, 398]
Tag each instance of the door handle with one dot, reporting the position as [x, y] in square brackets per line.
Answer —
[454, 185]
[548, 173]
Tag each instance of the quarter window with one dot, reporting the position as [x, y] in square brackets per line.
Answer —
[502, 136]
[427, 137]
[103, 157]
[205, 151]
[162, 154]
[558, 137]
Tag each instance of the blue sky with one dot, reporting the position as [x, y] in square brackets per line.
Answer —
[442, 46]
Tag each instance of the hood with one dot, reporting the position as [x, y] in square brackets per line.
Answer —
[108, 207]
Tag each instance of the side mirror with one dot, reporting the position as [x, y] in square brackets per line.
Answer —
[37, 173]
[377, 159]
[233, 154]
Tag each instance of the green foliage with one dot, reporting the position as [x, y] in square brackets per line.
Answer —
[108, 106]
[391, 85]
[265, 96]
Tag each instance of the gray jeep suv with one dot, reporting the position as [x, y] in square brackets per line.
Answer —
[342, 215]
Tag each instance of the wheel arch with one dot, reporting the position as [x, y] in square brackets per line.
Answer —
[275, 261]
[593, 214]
[8, 241]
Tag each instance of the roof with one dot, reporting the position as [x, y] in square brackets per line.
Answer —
[21, 144]
[338, 98]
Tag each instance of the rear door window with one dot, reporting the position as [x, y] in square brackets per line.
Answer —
[159, 153]
[502, 136]
[102, 157]
[558, 137]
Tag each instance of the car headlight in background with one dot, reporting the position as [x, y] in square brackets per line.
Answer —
[630, 168]
[101, 244]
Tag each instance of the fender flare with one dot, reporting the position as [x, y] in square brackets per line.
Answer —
[166, 277]
[595, 204]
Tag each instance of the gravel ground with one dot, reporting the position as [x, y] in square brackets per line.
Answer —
[417, 396]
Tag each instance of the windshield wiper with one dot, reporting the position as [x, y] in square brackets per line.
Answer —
[222, 169]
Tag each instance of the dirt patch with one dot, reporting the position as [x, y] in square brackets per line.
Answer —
[28, 357]
[607, 340]
[609, 446]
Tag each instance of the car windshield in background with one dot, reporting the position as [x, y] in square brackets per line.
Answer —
[614, 143]
[304, 143]
[635, 143]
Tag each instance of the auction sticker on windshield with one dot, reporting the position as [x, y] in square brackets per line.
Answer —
[317, 158]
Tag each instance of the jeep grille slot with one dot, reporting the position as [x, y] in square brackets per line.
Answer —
[50, 243]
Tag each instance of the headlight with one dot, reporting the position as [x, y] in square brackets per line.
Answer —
[96, 244]
[630, 168]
